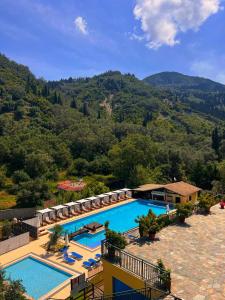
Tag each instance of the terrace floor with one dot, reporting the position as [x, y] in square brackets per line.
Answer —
[195, 253]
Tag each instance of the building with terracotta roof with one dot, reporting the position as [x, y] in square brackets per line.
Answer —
[176, 192]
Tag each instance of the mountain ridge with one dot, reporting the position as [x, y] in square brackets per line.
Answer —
[175, 80]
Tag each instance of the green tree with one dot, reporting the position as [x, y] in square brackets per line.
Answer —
[54, 237]
[32, 193]
[132, 159]
[216, 140]
[86, 109]
[73, 103]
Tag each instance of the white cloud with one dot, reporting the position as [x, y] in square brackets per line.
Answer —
[162, 20]
[81, 25]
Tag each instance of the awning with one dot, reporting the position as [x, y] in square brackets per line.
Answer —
[125, 190]
[59, 207]
[118, 191]
[92, 198]
[70, 204]
[102, 196]
[82, 201]
[44, 211]
[110, 193]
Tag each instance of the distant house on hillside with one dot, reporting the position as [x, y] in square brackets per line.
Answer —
[71, 186]
[176, 192]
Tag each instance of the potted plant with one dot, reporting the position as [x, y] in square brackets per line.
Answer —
[153, 228]
[148, 225]
[164, 275]
[114, 239]
[183, 211]
[205, 203]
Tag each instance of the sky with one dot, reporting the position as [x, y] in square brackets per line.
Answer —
[78, 38]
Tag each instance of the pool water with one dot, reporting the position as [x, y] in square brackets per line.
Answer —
[90, 240]
[121, 219]
[37, 277]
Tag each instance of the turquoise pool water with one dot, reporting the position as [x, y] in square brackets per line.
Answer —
[121, 219]
[37, 277]
[90, 240]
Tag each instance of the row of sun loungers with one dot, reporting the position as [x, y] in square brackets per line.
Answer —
[71, 257]
[75, 212]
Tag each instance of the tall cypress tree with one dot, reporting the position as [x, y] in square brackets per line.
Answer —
[73, 103]
[86, 109]
[216, 140]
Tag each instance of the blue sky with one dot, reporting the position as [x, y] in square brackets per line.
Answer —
[62, 38]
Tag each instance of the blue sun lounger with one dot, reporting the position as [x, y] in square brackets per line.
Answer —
[98, 256]
[76, 255]
[93, 261]
[87, 265]
[68, 259]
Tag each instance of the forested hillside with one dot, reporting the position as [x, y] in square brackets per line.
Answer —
[198, 93]
[112, 130]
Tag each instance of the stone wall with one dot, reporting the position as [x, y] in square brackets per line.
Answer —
[14, 242]
[24, 213]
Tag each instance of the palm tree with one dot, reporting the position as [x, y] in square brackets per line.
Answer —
[54, 237]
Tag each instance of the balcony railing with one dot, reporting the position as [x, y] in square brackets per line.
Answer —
[150, 273]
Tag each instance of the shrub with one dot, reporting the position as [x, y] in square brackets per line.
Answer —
[205, 202]
[184, 210]
[164, 274]
[148, 225]
[6, 229]
[116, 240]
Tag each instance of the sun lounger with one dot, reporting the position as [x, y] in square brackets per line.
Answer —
[47, 220]
[60, 216]
[105, 203]
[98, 256]
[95, 206]
[86, 209]
[74, 213]
[87, 265]
[76, 255]
[113, 201]
[63, 249]
[93, 261]
[121, 199]
[68, 259]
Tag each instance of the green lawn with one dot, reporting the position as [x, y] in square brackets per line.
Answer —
[6, 200]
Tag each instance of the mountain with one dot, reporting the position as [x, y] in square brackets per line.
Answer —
[175, 80]
[200, 94]
[112, 128]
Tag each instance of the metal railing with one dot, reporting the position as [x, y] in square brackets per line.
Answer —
[140, 294]
[150, 273]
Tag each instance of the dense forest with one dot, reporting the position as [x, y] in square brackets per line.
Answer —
[112, 130]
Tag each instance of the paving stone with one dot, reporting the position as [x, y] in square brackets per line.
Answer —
[195, 255]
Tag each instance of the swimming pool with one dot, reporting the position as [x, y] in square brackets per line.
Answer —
[90, 240]
[37, 277]
[121, 219]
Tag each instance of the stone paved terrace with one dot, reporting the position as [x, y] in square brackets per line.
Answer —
[195, 253]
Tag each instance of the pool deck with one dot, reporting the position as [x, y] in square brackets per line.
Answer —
[195, 253]
[37, 247]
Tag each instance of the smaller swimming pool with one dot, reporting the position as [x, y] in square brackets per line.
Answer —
[37, 277]
[90, 240]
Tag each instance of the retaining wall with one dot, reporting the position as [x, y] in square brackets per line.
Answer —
[24, 213]
[14, 242]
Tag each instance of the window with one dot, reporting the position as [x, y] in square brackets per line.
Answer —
[190, 198]
[177, 199]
